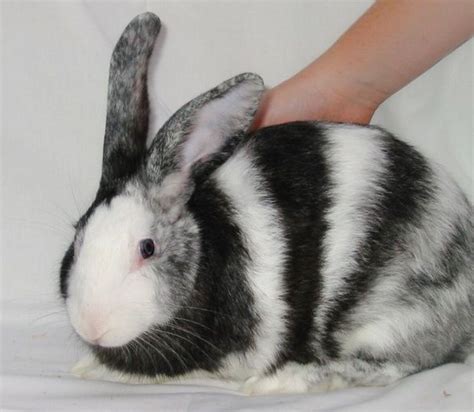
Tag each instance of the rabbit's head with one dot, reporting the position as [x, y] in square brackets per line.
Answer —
[136, 250]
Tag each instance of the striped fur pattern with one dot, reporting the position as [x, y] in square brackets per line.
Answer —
[307, 256]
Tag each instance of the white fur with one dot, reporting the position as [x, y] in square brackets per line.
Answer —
[385, 326]
[296, 378]
[385, 332]
[111, 301]
[299, 378]
[430, 235]
[356, 161]
[285, 380]
[262, 231]
[218, 120]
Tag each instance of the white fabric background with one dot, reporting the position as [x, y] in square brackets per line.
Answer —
[55, 58]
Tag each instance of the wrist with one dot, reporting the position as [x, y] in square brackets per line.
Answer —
[341, 92]
[319, 92]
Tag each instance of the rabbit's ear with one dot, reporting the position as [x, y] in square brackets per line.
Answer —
[127, 101]
[200, 129]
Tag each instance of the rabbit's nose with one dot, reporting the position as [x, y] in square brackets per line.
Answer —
[93, 336]
[92, 327]
[96, 341]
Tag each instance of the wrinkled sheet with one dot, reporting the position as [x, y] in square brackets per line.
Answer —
[54, 62]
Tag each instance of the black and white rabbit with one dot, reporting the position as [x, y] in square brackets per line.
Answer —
[301, 257]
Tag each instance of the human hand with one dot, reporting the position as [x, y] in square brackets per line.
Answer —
[302, 98]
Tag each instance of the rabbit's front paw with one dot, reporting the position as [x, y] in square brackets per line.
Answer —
[262, 385]
[87, 368]
[90, 368]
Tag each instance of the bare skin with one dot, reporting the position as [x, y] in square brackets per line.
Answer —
[391, 44]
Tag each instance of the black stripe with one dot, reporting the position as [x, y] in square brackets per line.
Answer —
[64, 271]
[295, 170]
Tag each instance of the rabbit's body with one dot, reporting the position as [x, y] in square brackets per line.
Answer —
[375, 251]
[305, 256]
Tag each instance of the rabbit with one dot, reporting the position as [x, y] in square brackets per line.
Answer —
[303, 257]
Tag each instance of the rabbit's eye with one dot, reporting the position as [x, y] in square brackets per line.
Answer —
[147, 248]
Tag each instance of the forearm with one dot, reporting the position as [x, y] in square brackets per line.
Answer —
[393, 43]
[387, 47]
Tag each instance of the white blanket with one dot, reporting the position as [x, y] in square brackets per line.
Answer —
[55, 58]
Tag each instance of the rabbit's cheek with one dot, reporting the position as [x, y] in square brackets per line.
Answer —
[137, 264]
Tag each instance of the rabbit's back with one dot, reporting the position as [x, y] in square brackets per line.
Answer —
[358, 245]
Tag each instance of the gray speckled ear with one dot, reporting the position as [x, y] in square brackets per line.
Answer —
[127, 102]
[199, 129]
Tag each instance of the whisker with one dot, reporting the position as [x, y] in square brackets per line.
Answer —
[122, 349]
[155, 339]
[50, 324]
[158, 351]
[189, 341]
[144, 347]
[205, 310]
[55, 313]
[169, 346]
[134, 349]
[193, 322]
[198, 337]
[57, 230]
[71, 187]
[66, 216]
[128, 353]
[61, 218]
[72, 335]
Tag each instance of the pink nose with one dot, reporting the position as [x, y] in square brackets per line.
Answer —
[92, 328]
[96, 341]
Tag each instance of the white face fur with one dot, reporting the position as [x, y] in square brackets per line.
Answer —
[113, 290]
